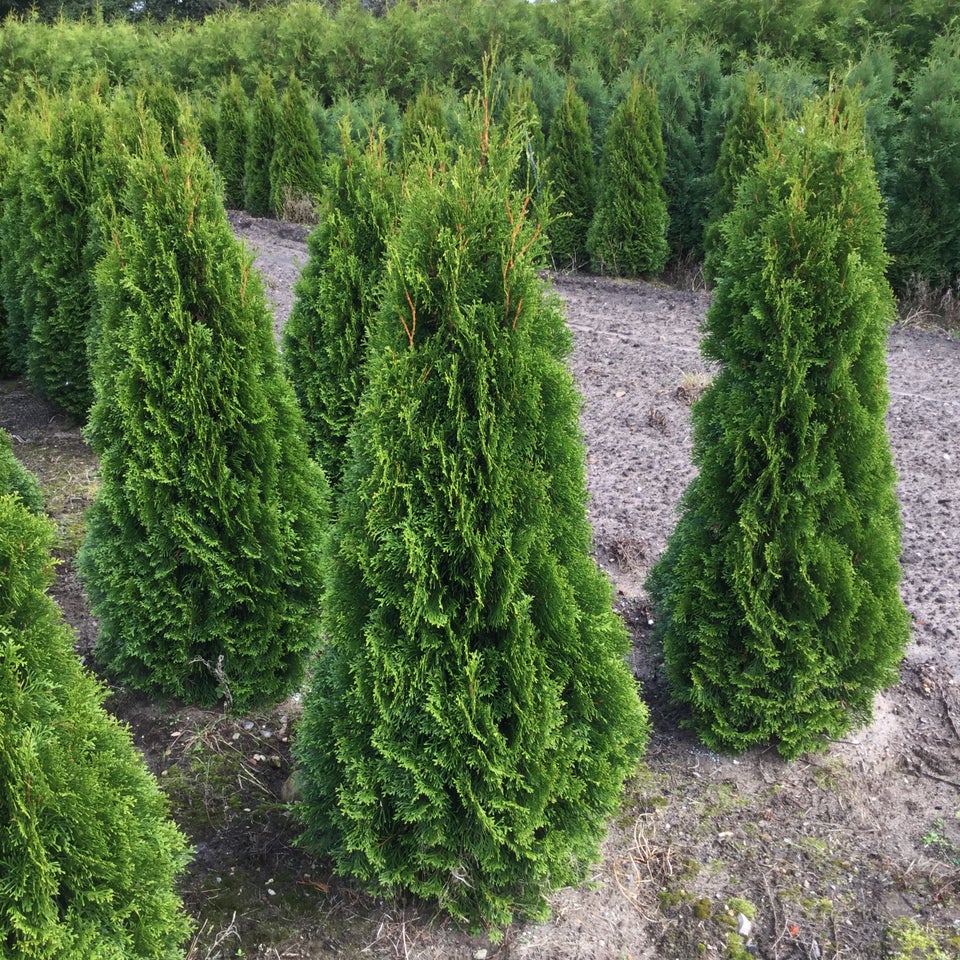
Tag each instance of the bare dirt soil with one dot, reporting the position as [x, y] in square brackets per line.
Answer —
[819, 856]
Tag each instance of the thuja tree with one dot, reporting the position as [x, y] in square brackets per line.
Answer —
[925, 206]
[573, 173]
[264, 119]
[628, 234]
[59, 186]
[89, 856]
[202, 552]
[16, 479]
[744, 141]
[233, 134]
[423, 122]
[471, 720]
[21, 129]
[297, 156]
[778, 599]
[325, 339]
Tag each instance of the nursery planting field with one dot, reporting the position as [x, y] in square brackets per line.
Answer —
[819, 857]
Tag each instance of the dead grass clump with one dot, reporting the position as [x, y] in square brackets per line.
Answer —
[685, 273]
[299, 207]
[923, 305]
[691, 385]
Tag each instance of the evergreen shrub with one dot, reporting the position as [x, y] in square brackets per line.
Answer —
[88, 857]
[260, 147]
[573, 173]
[325, 339]
[297, 155]
[471, 719]
[744, 141]
[628, 234]
[202, 549]
[233, 134]
[57, 195]
[924, 231]
[16, 479]
[777, 596]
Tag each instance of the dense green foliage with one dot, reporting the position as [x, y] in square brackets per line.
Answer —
[16, 479]
[58, 191]
[88, 858]
[628, 234]
[744, 141]
[573, 173]
[370, 68]
[297, 157]
[260, 146]
[202, 550]
[472, 718]
[325, 339]
[778, 599]
[925, 208]
[233, 135]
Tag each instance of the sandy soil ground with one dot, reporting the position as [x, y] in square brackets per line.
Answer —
[820, 855]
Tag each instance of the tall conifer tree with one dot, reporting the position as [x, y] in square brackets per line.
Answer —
[471, 720]
[628, 235]
[202, 553]
[744, 141]
[260, 147]
[233, 134]
[573, 173]
[16, 479]
[325, 339]
[778, 597]
[297, 155]
[59, 189]
[89, 857]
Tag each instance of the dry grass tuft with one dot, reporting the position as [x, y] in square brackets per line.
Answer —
[692, 385]
[930, 308]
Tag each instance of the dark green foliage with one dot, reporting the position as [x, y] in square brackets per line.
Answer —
[15, 478]
[17, 241]
[778, 598]
[573, 173]
[471, 720]
[88, 857]
[202, 551]
[925, 208]
[744, 141]
[297, 155]
[689, 84]
[12, 355]
[260, 146]
[628, 235]
[58, 190]
[233, 134]
[325, 339]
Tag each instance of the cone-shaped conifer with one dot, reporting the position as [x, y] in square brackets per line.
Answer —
[325, 339]
[58, 193]
[628, 235]
[15, 478]
[260, 147]
[744, 141]
[778, 598]
[297, 155]
[573, 173]
[233, 135]
[89, 857]
[202, 553]
[423, 122]
[472, 719]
